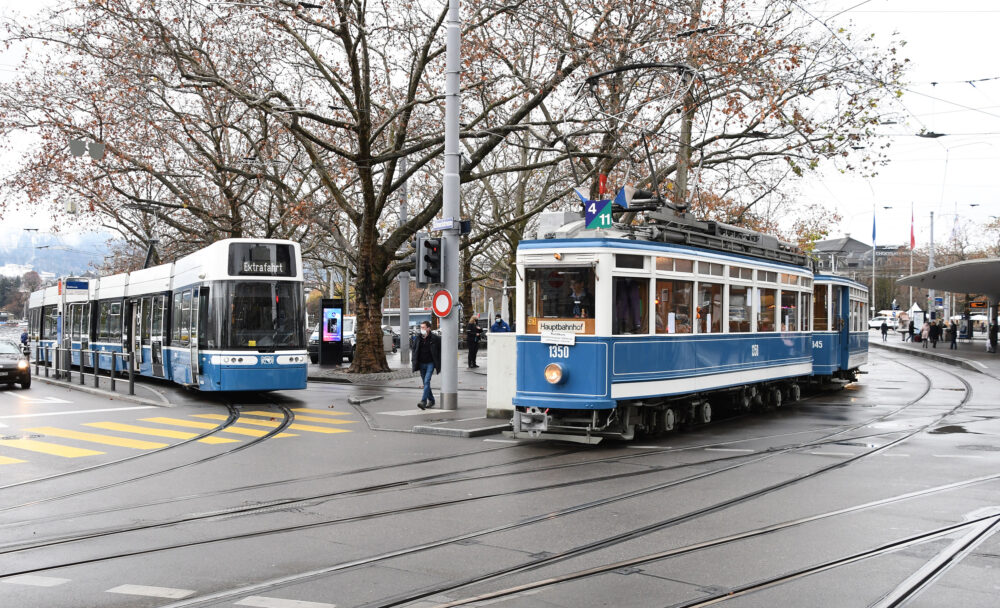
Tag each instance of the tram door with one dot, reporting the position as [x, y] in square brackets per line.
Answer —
[135, 343]
[193, 341]
[156, 335]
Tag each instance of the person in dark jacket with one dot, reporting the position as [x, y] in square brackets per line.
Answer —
[934, 334]
[499, 326]
[953, 335]
[884, 328]
[426, 347]
[472, 334]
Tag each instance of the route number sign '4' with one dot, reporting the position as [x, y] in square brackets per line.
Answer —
[598, 214]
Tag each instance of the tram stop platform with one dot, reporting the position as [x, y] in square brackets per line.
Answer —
[970, 354]
[388, 401]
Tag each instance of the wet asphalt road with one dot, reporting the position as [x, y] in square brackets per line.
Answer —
[881, 494]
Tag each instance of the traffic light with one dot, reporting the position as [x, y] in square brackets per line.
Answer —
[430, 252]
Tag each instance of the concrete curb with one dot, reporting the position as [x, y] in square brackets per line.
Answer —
[465, 433]
[939, 357]
[362, 400]
[100, 393]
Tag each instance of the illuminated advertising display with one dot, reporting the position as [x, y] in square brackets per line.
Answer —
[333, 321]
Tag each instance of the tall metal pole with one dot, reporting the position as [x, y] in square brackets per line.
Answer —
[451, 206]
[911, 252]
[930, 266]
[404, 285]
[872, 311]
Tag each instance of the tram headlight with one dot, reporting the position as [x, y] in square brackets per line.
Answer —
[554, 373]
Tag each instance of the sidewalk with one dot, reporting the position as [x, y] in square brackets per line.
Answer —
[388, 401]
[970, 355]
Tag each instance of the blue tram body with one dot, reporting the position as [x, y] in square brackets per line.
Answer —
[618, 334]
[229, 317]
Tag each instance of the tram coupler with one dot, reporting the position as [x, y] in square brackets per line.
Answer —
[532, 422]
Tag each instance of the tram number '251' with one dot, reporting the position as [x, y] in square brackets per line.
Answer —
[559, 352]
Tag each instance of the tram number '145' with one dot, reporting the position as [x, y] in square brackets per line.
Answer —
[559, 352]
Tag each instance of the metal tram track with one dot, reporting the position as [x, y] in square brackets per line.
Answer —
[289, 417]
[35, 544]
[503, 527]
[672, 521]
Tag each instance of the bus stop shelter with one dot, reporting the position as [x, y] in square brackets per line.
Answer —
[970, 276]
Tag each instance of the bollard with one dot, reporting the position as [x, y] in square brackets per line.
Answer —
[36, 359]
[83, 362]
[48, 358]
[113, 354]
[95, 358]
[131, 374]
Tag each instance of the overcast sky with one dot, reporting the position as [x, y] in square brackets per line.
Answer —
[952, 44]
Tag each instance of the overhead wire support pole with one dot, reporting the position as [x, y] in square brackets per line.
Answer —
[451, 204]
[404, 283]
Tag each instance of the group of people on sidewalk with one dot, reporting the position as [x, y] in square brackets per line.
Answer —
[930, 333]
[426, 349]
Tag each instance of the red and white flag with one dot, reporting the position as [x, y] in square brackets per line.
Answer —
[913, 238]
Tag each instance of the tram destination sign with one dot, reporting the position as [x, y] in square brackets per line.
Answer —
[261, 260]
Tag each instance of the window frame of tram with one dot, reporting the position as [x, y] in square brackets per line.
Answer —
[674, 297]
[821, 304]
[630, 295]
[550, 289]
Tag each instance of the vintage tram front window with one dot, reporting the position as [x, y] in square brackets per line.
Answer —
[266, 314]
[630, 297]
[766, 309]
[709, 307]
[838, 321]
[560, 299]
[673, 306]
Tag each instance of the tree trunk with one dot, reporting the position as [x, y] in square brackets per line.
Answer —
[369, 356]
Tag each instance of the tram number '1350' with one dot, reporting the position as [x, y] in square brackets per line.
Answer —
[559, 352]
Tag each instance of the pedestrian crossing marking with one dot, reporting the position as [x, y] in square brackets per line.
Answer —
[306, 418]
[194, 424]
[49, 448]
[324, 412]
[7, 460]
[267, 423]
[122, 442]
[145, 430]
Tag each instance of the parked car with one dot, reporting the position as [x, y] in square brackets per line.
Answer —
[14, 366]
[876, 322]
[348, 337]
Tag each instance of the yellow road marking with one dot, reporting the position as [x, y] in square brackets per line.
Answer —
[267, 423]
[324, 412]
[306, 418]
[49, 448]
[122, 442]
[208, 425]
[145, 430]
[7, 460]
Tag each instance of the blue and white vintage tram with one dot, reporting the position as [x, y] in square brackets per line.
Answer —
[229, 317]
[628, 329]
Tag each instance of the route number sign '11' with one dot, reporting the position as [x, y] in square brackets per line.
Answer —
[598, 214]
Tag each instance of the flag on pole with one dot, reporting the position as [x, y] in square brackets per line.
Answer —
[913, 238]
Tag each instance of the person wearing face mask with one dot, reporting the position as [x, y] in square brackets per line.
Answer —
[426, 349]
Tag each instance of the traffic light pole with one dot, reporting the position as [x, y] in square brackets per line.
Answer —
[451, 205]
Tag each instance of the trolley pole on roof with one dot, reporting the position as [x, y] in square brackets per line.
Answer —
[451, 207]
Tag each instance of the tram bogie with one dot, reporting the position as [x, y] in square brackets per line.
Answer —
[229, 317]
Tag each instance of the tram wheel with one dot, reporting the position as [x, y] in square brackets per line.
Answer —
[704, 412]
[669, 419]
[745, 400]
[775, 398]
[795, 393]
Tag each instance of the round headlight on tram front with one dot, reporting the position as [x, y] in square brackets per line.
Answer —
[554, 373]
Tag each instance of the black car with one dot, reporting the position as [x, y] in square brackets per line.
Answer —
[14, 365]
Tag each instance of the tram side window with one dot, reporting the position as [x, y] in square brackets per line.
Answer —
[789, 311]
[838, 321]
[558, 293]
[709, 307]
[175, 320]
[807, 310]
[104, 308]
[76, 311]
[631, 312]
[157, 324]
[821, 317]
[115, 320]
[181, 319]
[85, 322]
[673, 306]
[766, 309]
[740, 308]
[147, 318]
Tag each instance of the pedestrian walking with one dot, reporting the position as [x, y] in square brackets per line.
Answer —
[426, 348]
[954, 336]
[935, 334]
[925, 333]
[472, 335]
[884, 328]
[499, 326]
[909, 334]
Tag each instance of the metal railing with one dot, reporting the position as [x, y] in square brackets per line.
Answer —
[60, 361]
